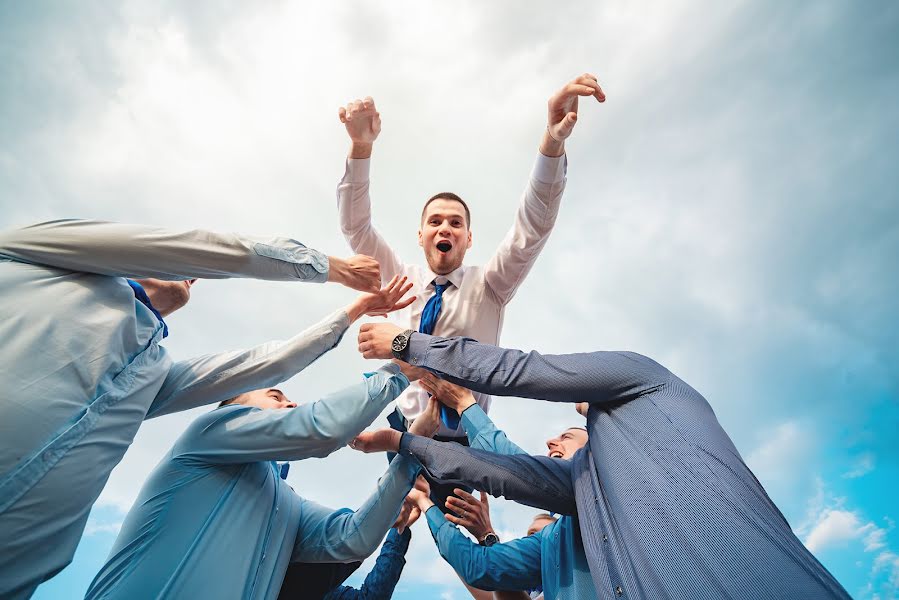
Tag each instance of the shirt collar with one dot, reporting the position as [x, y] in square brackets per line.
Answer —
[454, 277]
[141, 296]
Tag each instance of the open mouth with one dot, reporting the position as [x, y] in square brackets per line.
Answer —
[555, 454]
[444, 246]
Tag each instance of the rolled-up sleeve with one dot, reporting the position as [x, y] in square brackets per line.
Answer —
[139, 251]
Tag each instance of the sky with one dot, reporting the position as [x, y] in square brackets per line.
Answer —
[731, 210]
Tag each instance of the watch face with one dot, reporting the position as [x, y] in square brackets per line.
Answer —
[490, 539]
[399, 343]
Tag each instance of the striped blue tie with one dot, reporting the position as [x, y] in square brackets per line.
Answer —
[429, 316]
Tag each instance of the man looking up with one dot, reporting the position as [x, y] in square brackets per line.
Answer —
[451, 298]
[216, 519]
[81, 365]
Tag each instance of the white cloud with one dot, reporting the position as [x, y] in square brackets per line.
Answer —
[834, 527]
[863, 466]
[94, 527]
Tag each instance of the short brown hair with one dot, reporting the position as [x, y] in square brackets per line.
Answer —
[448, 196]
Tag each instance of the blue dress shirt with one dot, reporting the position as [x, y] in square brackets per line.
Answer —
[383, 577]
[215, 520]
[557, 560]
[666, 506]
[81, 366]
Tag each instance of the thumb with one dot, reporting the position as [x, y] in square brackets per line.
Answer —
[568, 123]
[483, 497]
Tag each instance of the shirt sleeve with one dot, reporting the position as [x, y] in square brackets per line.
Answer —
[326, 535]
[242, 434]
[138, 251]
[537, 481]
[216, 377]
[382, 579]
[354, 210]
[484, 435]
[513, 565]
[595, 377]
[530, 231]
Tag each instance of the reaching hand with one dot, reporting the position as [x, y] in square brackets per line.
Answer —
[375, 340]
[421, 494]
[363, 124]
[380, 440]
[411, 373]
[427, 422]
[386, 300]
[454, 396]
[474, 515]
[562, 106]
[359, 272]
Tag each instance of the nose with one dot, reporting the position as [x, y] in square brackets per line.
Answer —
[290, 404]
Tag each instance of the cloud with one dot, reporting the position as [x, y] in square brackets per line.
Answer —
[863, 466]
[834, 527]
[94, 528]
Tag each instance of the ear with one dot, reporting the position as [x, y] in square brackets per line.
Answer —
[469, 239]
[420, 242]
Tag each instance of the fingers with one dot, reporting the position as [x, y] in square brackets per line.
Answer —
[341, 114]
[484, 497]
[468, 498]
[588, 80]
[404, 303]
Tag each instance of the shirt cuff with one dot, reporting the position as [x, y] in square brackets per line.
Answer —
[435, 519]
[474, 420]
[550, 169]
[357, 170]
[311, 265]
[417, 349]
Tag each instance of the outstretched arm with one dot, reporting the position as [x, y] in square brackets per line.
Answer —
[383, 577]
[363, 124]
[325, 535]
[594, 377]
[216, 377]
[537, 481]
[140, 252]
[242, 434]
[539, 206]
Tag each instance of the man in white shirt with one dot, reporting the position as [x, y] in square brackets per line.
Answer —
[468, 301]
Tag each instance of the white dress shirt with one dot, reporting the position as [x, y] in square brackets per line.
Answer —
[474, 305]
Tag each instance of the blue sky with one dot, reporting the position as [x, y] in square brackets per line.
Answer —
[731, 210]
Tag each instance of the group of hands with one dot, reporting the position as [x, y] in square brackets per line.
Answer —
[375, 341]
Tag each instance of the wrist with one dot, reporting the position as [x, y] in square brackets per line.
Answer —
[336, 269]
[360, 149]
[355, 310]
[549, 146]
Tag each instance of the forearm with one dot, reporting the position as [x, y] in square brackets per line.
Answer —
[346, 535]
[536, 481]
[213, 378]
[313, 429]
[484, 435]
[510, 566]
[139, 251]
[595, 377]
[354, 214]
[382, 579]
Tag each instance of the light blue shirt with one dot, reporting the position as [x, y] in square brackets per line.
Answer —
[81, 366]
[553, 556]
[215, 520]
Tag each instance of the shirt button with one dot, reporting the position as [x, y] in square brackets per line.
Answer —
[263, 558]
[414, 361]
[618, 590]
[605, 538]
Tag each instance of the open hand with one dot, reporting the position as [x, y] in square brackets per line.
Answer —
[454, 396]
[473, 514]
[427, 422]
[386, 300]
[380, 440]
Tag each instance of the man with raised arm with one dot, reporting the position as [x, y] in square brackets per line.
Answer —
[82, 308]
[665, 504]
[452, 298]
[215, 519]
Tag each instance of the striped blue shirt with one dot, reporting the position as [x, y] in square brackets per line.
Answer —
[666, 506]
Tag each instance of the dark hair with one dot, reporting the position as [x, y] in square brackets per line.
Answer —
[448, 196]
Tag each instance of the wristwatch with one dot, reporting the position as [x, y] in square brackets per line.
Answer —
[489, 539]
[399, 344]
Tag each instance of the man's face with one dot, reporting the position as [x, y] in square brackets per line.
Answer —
[266, 398]
[538, 524]
[444, 235]
[167, 296]
[565, 445]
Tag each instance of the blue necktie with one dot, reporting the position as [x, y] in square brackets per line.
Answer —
[429, 316]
